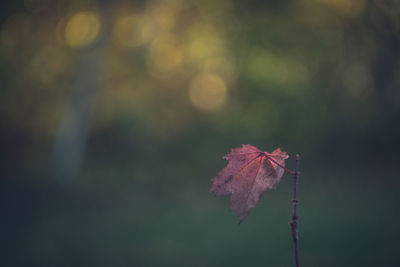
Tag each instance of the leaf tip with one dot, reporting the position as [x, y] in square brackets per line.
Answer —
[242, 218]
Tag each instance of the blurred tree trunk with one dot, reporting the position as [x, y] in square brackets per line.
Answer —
[71, 139]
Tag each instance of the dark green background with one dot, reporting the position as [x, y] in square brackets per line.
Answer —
[124, 180]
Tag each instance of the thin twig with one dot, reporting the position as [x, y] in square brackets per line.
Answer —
[293, 223]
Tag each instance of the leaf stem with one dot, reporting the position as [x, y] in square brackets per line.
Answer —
[274, 161]
[293, 223]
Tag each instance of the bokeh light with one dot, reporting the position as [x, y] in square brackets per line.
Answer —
[208, 91]
[164, 56]
[203, 42]
[132, 31]
[82, 29]
[163, 14]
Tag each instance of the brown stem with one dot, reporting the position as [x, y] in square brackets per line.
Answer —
[293, 223]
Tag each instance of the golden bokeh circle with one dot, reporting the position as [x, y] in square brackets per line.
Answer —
[82, 29]
[207, 92]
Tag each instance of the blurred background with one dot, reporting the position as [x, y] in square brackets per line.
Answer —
[115, 115]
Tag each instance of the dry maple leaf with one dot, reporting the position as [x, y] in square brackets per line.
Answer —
[249, 173]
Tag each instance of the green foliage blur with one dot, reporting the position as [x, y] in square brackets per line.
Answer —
[115, 115]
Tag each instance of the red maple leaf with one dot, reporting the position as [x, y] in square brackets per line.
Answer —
[249, 173]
